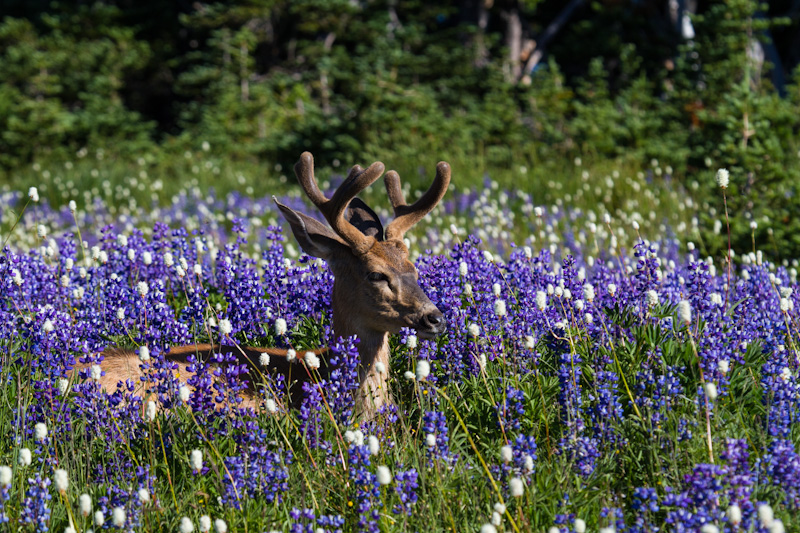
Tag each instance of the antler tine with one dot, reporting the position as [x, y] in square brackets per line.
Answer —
[406, 216]
[304, 170]
[357, 180]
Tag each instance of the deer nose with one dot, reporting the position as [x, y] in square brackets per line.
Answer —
[435, 321]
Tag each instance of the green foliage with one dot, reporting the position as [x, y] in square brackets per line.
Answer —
[411, 83]
[61, 84]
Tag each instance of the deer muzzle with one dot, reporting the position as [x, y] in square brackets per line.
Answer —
[431, 324]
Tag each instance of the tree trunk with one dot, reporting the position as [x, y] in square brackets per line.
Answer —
[513, 41]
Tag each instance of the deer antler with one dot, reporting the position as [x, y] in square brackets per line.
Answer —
[333, 209]
[406, 216]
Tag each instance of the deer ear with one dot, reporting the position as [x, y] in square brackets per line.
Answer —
[364, 219]
[315, 238]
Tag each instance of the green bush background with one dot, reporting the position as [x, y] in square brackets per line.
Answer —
[254, 82]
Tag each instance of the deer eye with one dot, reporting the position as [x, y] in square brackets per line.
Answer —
[377, 276]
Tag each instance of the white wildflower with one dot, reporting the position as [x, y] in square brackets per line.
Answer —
[374, 445]
[144, 354]
[205, 523]
[506, 453]
[612, 289]
[500, 308]
[196, 460]
[271, 406]
[411, 342]
[423, 369]
[150, 411]
[184, 393]
[488, 257]
[765, 515]
[95, 372]
[225, 327]
[99, 518]
[25, 457]
[120, 313]
[488, 528]
[723, 178]
[220, 526]
[785, 304]
[263, 359]
[33, 194]
[538, 211]
[63, 386]
[118, 516]
[16, 277]
[48, 326]
[380, 368]
[312, 361]
[496, 289]
[496, 520]
[709, 528]
[5, 476]
[528, 463]
[588, 292]
[541, 300]
[142, 288]
[530, 342]
[652, 298]
[468, 290]
[186, 525]
[85, 504]
[291, 355]
[579, 525]
[723, 366]
[516, 487]
[430, 440]
[685, 312]
[280, 327]
[408, 374]
[711, 390]
[474, 329]
[61, 480]
[786, 374]
[463, 268]
[384, 475]
[147, 258]
[40, 431]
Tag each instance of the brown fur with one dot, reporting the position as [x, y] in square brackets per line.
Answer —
[121, 364]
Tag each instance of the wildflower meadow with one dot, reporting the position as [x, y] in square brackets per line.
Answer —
[599, 371]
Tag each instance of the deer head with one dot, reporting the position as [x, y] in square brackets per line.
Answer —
[376, 289]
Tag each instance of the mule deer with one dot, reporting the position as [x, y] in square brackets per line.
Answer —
[375, 291]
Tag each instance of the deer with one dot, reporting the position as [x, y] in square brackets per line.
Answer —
[376, 289]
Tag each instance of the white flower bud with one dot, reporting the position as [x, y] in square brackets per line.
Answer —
[723, 178]
[506, 454]
[312, 361]
[516, 487]
[384, 475]
[196, 460]
[423, 369]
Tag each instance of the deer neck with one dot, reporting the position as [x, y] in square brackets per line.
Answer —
[373, 347]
